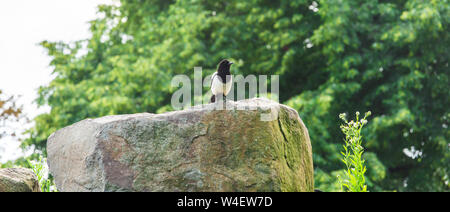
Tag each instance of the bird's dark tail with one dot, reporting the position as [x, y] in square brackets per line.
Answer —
[213, 98]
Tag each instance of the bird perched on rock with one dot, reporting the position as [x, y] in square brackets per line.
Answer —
[221, 80]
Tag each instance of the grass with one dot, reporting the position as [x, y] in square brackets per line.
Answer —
[40, 168]
[354, 180]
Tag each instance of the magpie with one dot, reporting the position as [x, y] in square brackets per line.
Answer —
[220, 83]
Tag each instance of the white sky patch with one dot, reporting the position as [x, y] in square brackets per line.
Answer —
[308, 43]
[314, 7]
[24, 65]
[412, 152]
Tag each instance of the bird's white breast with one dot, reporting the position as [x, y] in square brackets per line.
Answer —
[217, 87]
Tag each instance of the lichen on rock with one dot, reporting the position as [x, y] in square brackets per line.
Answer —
[197, 149]
[18, 180]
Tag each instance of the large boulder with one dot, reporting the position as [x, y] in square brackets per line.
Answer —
[18, 180]
[250, 145]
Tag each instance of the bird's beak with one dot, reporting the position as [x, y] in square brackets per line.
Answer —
[231, 63]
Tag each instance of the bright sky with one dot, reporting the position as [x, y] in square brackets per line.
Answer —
[24, 64]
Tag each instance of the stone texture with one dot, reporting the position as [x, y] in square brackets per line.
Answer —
[198, 149]
[18, 180]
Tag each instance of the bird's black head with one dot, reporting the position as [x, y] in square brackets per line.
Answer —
[224, 67]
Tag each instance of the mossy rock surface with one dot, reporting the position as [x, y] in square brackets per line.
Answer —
[249, 145]
[18, 180]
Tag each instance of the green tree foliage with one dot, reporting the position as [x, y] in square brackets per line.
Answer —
[333, 56]
[390, 58]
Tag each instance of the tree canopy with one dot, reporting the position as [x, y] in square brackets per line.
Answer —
[332, 56]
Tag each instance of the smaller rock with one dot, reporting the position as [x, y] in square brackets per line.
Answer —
[18, 180]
